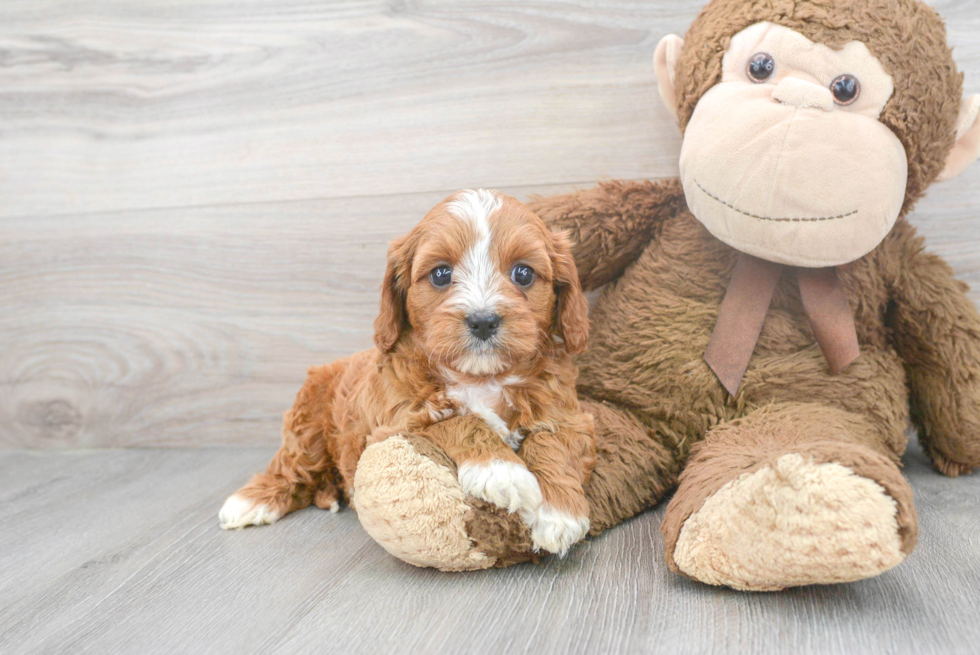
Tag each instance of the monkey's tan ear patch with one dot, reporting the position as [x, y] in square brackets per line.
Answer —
[967, 147]
[664, 65]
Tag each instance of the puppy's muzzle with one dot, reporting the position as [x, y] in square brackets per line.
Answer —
[483, 325]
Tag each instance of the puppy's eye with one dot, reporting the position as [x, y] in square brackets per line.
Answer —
[761, 67]
[441, 276]
[522, 275]
[846, 89]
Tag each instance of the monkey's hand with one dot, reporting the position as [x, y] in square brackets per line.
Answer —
[937, 332]
[611, 224]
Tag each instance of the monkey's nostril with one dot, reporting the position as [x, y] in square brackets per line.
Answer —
[483, 325]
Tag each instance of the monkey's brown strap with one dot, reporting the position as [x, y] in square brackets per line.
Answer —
[740, 318]
[744, 309]
[830, 315]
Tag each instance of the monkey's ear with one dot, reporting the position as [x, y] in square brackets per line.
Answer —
[664, 65]
[572, 311]
[967, 146]
[393, 317]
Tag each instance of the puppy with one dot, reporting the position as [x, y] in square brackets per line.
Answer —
[481, 310]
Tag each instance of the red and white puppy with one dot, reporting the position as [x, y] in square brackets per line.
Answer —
[481, 309]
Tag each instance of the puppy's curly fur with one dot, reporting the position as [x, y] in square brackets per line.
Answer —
[480, 396]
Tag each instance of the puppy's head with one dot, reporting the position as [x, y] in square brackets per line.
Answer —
[483, 284]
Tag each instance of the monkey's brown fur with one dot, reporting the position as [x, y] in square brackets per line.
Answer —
[662, 417]
[656, 404]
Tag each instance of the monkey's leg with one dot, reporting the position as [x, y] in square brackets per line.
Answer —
[634, 466]
[791, 494]
[409, 499]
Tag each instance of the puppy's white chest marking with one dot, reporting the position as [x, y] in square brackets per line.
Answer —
[483, 400]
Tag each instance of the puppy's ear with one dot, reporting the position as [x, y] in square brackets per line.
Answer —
[393, 317]
[572, 311]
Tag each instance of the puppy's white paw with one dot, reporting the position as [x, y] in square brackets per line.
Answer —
[238, 512]
[505, 484]
[514, 438]
[556, 531]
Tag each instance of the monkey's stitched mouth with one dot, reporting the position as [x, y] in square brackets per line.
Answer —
[770, 218]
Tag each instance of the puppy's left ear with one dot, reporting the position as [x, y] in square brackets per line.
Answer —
[393, 317]
[572, 312]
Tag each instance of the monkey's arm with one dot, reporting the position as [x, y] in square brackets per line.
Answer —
[611, 224]
[937, 332]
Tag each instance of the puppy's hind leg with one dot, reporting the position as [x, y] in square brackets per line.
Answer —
[327, 496]
[290, 482]
[302, 471]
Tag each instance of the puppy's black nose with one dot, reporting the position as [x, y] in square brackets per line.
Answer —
[483, 325]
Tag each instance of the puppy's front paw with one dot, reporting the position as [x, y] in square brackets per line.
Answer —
[437, 414]
[556, 531]
[238, 512]
[505, 484]
[436, 409]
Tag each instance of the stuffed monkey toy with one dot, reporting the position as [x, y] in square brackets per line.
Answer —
[770, 321]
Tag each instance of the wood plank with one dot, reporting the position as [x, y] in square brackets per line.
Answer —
[195, 326]
[123, 554]
[176, 104]
[91, 519]
[111, 105]
[194, 323]
[188, 326]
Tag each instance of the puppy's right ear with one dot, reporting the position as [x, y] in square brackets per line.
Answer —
[393, 317]
[572, 318]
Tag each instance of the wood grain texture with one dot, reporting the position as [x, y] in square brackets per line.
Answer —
[183, 327]
[119, 552]
[161, 104]
[195, 198]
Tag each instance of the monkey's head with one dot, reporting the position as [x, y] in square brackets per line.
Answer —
[810, 126]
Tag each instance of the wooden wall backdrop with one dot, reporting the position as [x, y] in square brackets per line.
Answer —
[195, 198]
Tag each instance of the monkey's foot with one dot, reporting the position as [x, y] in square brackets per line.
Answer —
[409, 499]
[792, 522]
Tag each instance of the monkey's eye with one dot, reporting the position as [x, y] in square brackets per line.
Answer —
[761, 67]
[441, 276]
[522, 275]
[846, 89]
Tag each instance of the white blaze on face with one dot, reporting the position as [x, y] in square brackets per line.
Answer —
[477, 279]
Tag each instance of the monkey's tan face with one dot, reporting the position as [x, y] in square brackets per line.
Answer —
[785, 158]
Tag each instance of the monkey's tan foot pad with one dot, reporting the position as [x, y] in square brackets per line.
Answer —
[792, 522]
[409, 500]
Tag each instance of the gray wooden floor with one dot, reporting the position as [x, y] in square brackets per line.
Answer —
[195, 201]
[118, 551]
